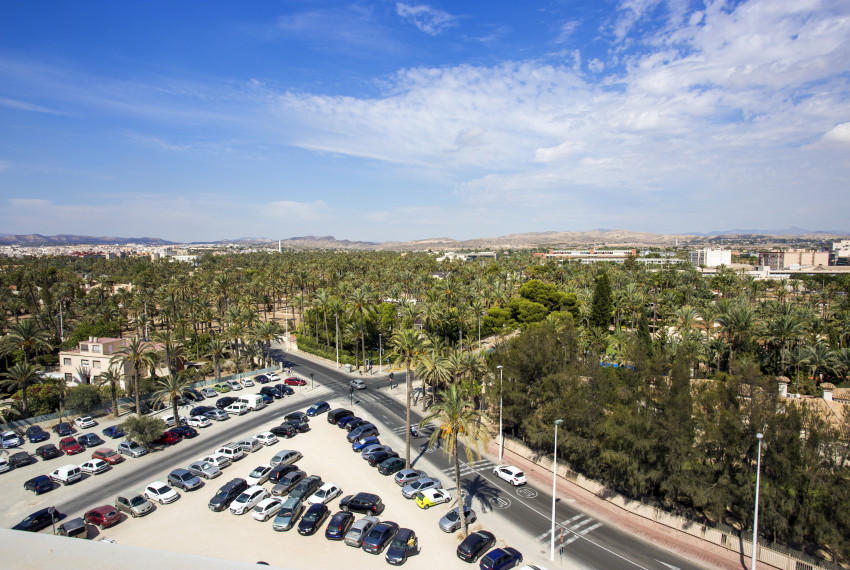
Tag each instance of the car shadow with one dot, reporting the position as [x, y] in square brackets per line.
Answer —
[480, 490]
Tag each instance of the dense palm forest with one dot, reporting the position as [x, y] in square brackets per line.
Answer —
[673, 424]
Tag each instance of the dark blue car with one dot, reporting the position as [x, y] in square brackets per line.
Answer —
[39, 485]
[500, 559]
[380, 535]
[35, 434]
[344, 420]
[63, 429]
[318, 408]
[114, 432]
[360, 444]
[39, 520]
[339, 525]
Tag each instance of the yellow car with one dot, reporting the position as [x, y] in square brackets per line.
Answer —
[430, 497]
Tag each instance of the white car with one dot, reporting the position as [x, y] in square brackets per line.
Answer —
[248, 499]
[219, 461]
[511, 474]
[234, 385]
[4, 465]
[249, 444]
[266, 438]
[357, 384]
[199, 422]
[161, 493]
[94, 467]
[325, 493]
[273, 376]
[259, 475]
[266, 508]
[247, 382]
[84, 422]
[169, 420]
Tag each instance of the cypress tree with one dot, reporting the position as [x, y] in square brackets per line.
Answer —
[603, 306]
[643, 334]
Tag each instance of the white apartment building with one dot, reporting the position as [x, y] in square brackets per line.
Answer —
[713, 257]
[93, 357]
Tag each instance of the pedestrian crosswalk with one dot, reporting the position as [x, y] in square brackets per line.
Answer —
[470, 468]
[570, 530]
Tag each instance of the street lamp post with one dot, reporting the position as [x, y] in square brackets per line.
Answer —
[554, 489]
[380, 355]
[337, 341]
[501, 437]
[756, 515]
[311, 380]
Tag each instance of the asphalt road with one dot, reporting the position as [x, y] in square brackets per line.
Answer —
[530, 509]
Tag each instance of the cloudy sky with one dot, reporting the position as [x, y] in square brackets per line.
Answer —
[386, 120]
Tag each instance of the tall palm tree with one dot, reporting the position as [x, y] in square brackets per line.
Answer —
[27, 336]
[140, 356]
[431, 368]
[360, 299]
[172, 349]
[267, 332]
[457, 417]
[170, 389]
[217, 350]
[408, 345]
[20, 377]
[112, 378]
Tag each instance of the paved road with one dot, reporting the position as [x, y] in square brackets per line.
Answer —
[585, 539]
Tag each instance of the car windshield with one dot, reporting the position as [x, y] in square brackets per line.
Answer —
[257, 472]
[398, 543]
[311, 516]
[137, 500]
[162, 490]
[519, 474]
[453, 515]
[243, 498]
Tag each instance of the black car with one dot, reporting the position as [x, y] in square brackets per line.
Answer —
[200, 410]
[227, 494]
[261, 379]
[63, 429]
[271, 391]
[284, 389]
[404, 544]
[279, 471]
[35, 434]
[194, 395]
[354, 424]
[313, 519]
[284, 430]
[391, 465]
[335, 415]
[185, 431]
[39, 485]
[474, 545]
[90, 440]
[376, 458]
[379, 537]
[223, 402]
[21, 459]
[48, 451]
[366, 503]
[339, 525]
[297, 416]
[300, 425]
[39, 520]
[306, 487]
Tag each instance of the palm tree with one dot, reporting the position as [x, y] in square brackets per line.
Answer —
[457, 417]
[138, 353]
[27, 336]
[819, 357]
[432, 368]
[20, 377]
[172, 349]
[217, 350]
[7, 412]
[112, 378]
[408, 345]
[267, 332]
[171, 389]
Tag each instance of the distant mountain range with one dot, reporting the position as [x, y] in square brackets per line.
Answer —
[598, 238]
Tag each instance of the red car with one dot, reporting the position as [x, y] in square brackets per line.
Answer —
[109, 455]
[71, 446]
[104, 516]
[168, 438]
[293, 381]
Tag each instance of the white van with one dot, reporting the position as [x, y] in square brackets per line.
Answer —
[253, 401]
[237, 408]
[232, 451]
[67, 474]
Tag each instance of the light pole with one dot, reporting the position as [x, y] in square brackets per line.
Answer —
[311, 380]
[337, 341]
[554, 488]
[756, 515]
[380, 355]
[501, 437]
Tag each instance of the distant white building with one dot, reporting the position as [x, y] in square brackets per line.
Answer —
[714, 257]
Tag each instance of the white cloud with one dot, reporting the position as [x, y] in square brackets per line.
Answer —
[839, 133]
[566, 31]
[429, 20]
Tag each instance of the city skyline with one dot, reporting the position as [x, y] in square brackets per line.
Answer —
[382, 121]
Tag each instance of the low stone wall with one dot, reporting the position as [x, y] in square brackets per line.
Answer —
[729, 541]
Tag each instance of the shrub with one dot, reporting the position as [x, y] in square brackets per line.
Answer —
[83, 399]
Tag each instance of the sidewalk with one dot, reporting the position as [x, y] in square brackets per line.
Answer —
[686, 546]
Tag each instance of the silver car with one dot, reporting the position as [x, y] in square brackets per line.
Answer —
[360, 530]
[218, 415]
[421, 484]
[132, 449]
[204, 469]
[451, 522]
[288, 514]
[134, 505]
[408, 476]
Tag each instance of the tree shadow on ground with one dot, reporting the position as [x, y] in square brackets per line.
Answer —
[479, 493]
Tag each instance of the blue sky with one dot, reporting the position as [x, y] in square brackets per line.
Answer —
[383, 121]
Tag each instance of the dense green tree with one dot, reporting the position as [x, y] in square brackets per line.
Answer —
[603, 305]
[83, 399]
[143, 429]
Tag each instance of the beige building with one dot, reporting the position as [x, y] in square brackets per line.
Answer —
[93, 356]
[793, 258]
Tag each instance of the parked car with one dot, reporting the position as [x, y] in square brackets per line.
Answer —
[261, 379]
[403, 545]
[300, 426]
[250, 444]
[216, 415]
[259, 475]
[365, 442]
[237, 409]
[379, 537]
[219, 461]
[278, 471]
[90, 440]
[195, 395]
[285, 429]
[266, 508]
[313, 518]
[204, 469]
[500, 559]
[352, 425]
[48, 451]
[273, 376]
[451, 521]
[285, 457]
[374, 459]
[200, 410]
[408, 476]
[363, 431]
[74, 528]
[271, 391]
[431, 497]
[160, 492]
[339, 525]
[35, 434]
[221, 388]
[38, 485]
[231, 451]
[266, 399]
[288, 514]
[345, 420]
[234, 385]
[4, 465]
[133, 505]
[94, 466]
[391, 465]
[318, 408]
[326, 493]
[114, 432]
[293, 381]
[367, 503]
[288, 482]
[20, 459]
[360, 530]
[421, 484]
[474, 545]
[199, 422]
[511, 474]
[110, 456]
[247, 382]
[170, 422]
[284, 389]
[71, 446]
[227, 494]
[62, 429]
[209, 392]
[266, 438]
[248, 499]
[223, 402]
[183, 479]
[296, 416]
[40, 519]
[357, 384]
[167, 438]
[184, 431]
[85, 422]
[103, 517]
[132, 449]
[66, 474]
[306, 487]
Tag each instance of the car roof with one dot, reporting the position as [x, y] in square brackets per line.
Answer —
[404, 533]
[102, 509]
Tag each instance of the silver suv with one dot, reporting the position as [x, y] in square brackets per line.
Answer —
[360, 530]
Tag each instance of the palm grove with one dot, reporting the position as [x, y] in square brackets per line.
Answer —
[675, 425]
